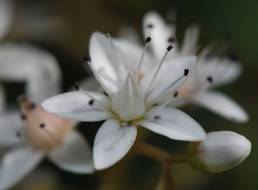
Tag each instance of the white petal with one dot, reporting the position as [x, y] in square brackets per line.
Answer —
[168, 77]
[111, 143]
[133, 53]
[222, 105]
[37, 68]
[222, 150]
[222, 70]
[16, 164]
[2, 99]
[6, 16]
[159, 33]
[76, 105]
[190, 42]
[107, 62]
[129, 34]
[10, 126]
[74, 155]
[173, 124]
[128, 103]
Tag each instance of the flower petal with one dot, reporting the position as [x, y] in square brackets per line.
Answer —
[10, 126]
[173, 124]
[222, 70]
[128, 103]
[38, 68]
[78, 105]
[133, 53]
[107, 62]
[221, 151]
[111, 143]
[169, 78]
[222, 105]
[190, 42]
[6, 16]
[160, 33]
[74, 155]
[16, 164]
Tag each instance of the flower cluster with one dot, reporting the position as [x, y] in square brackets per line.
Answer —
[144, 86]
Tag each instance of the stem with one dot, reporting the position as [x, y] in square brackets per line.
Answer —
[158, 154]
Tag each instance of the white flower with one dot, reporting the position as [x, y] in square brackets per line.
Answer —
[130, 103]
[41, 133]
[220, 151]
[207, 73]
[6, 16]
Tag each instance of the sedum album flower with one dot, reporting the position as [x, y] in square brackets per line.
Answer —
[220, 151]
[31, 135]
[41, 134]
[129, 101]
[208, 72]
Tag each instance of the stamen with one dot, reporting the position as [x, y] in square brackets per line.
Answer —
[176, 94]
[42, 125]
[86, 59]
[186, 72]
[147, 42]
[171, 39]
[32, 105]
[159, 67]
[23, 116]
[157, 117]
[18, 134]
[209, 79]
[77, 86]
[91, 102]
[149, 26]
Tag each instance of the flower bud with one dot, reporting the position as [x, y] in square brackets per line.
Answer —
[219, 152]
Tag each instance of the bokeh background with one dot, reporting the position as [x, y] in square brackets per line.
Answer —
[64, 27]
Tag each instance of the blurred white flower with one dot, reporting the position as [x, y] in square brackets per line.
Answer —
[41, 133]
[208, 72]
[219, 152]
[6, 16]
[130, 102]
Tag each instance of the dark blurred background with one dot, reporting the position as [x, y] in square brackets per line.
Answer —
[64, 27]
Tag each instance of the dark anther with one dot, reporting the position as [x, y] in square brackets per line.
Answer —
[86, 59]
[147, 40]
[176, 94]
[18, 134]
[106, 94]
[91, 102]
[186, 72]
[42, 125]
[77, 86]
[108, 34]
[169, 47]
[157, 117]
[156, 104]
[171, 40]
[150, 25]
[209, 79]
[233, 57]
[32, 106]
[23, 116]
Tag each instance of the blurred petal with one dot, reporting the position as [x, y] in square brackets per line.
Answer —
[159, 31]
[190, 42]
[107, 62]
[222, 70]
[10, 126]
[37, 68]
[222, 105]
[128, 103]
[6, 16]
[111, 143]
[220, 151]
[173, 124]
[78, 105]
[74, 155]
[16, 164]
